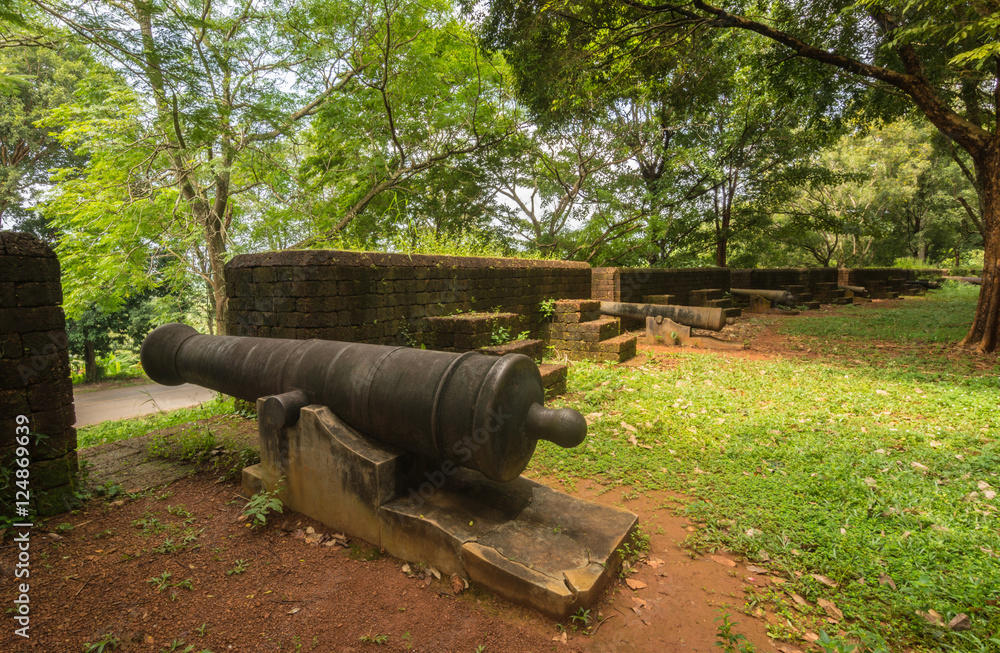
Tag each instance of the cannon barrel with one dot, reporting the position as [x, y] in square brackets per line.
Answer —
[857, 290]
[478, 411]
[778, 296]
[693, 316]
[926, 283]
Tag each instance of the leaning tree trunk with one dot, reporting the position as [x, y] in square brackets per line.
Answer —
[984, 335]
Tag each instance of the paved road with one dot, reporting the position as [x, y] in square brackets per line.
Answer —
[119, 403]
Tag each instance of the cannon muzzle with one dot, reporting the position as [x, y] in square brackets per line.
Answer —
[478, 411]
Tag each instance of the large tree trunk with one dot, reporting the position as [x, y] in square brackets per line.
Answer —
[984, 335]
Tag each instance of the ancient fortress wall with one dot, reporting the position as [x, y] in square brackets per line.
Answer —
[36, 395]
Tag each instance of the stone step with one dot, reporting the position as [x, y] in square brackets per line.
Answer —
[573, 311]
[613, 350]
[734, 311]
[699, 297]
[468, 331]
[553, 379]
[533, 349]
[591, 332]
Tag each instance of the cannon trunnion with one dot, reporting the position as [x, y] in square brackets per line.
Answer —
[478, 411]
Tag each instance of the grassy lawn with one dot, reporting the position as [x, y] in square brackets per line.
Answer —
[873, 463]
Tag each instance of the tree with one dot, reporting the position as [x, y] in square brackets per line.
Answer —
[209, 89]
[426, 100]
[38, 74]
[939, 57]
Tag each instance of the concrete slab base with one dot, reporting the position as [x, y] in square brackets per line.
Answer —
[521, 540]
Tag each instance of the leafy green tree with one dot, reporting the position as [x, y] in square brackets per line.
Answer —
[425, 101]
[96, 331]
[39, 74]
[938, 58]
[184, 124]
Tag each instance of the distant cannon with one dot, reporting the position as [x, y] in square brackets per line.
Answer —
[699, 317]
[925, 283]
[478, 411]
[773, 296]
[857, 290]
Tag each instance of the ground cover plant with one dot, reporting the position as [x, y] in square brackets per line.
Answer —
[123, 429]
[866, 472]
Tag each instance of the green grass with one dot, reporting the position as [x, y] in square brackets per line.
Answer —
[809, 463]
[124, 429]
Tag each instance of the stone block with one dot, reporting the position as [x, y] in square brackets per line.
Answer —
[331, 472]
[39, 293]
[10, 345]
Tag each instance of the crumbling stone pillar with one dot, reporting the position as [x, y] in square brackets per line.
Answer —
[35, 386]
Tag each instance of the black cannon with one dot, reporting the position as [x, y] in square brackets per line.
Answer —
[774, 296]
[694, 316]
[478, 411]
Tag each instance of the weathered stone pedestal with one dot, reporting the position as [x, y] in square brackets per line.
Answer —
[521, 540]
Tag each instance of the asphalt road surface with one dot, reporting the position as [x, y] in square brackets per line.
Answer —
[119, 403]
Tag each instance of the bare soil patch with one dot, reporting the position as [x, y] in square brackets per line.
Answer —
[178, 565]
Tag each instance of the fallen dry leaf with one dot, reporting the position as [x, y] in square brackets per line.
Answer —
[960, 622]
[628, 426]
[786, 648]
[932, 617]
[831, 609]
[917, 467]
[635, 584]
[639, 602]
[819, 578]
[723, 561]
[434, 572]
[801, 601]
[885, 579]
[560, 638]
[654, 562]
[754, 569]
[457, 585]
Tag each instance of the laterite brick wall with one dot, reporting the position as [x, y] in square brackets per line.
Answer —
[781, 278]
[386, 298]
[35, 387]
[632, 284]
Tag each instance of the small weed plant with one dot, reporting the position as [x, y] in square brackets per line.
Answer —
[729, 641]
[261, 505]
[239, 567]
